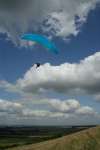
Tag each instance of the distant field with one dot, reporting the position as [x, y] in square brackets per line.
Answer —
[18, 136]
[84, 140]
[9, 142]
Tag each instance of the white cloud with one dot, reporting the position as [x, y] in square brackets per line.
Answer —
[48, 109]
[42, 113]
[17, 16]
[56, 108]
[64, 106]
[86, 110]
[79, 78]
[71, 107]
[9, 107]
[9, 87]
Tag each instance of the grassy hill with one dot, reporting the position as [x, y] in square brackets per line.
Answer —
[84, 140]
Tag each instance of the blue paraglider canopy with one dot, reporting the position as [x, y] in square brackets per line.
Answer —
[42, 40]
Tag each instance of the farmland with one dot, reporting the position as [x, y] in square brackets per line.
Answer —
[18, 136]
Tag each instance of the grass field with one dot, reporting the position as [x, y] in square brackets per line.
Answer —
[10, 142]
[84, 140]
[18, 136]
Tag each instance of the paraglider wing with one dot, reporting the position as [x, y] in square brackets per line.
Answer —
[42, 40]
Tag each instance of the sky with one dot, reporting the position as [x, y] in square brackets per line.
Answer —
[65, 89]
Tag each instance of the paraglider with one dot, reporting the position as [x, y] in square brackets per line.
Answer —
[38, 65]
[42, 40]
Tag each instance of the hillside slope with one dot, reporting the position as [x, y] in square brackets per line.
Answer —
[85, 140]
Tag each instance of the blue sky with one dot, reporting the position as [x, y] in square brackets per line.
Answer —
[16, 59]
[84, 44]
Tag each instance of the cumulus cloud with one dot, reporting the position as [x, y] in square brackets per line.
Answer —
[86, 110]
[79, 78]
[58, 109]
[60, 17]
[9, 107]
[43, 114]
[64, 106]
[54, 108]
[71, 107]
[9, 87]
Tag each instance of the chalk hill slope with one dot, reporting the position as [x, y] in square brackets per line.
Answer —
[85, 140]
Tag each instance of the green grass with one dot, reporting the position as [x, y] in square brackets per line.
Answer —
[85, 140]
[10, 142]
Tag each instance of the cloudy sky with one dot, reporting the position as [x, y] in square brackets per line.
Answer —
[65, 89]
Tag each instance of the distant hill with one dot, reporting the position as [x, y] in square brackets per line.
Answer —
[84, 140]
